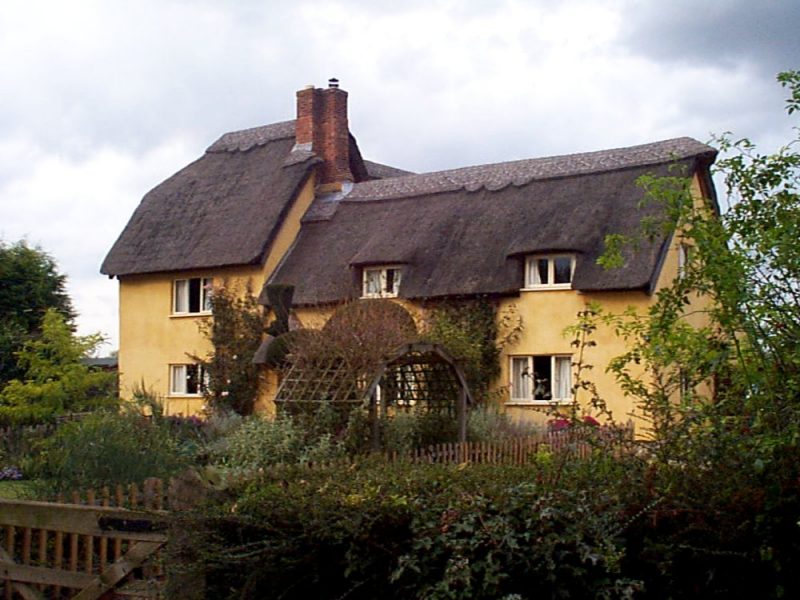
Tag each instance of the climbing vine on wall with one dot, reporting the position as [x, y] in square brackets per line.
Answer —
[475, 332]
[235, 333]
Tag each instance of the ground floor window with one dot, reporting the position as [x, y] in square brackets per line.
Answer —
[188, 380]
[541, 378]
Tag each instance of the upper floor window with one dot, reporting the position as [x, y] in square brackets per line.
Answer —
[191, 296]
[188, 380]
[543, 378]
[549, 271]
[381, 282]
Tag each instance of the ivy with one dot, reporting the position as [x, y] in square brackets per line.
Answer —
[474, 332]
[235, 332]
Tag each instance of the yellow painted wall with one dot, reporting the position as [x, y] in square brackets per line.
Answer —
[151, 338]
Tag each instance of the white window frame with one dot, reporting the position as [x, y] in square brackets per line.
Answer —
[523, 392]
[179, 376]
[181, 302]
[383, 275]
[532, 281]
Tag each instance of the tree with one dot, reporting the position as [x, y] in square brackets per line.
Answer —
[29, 284]
[55, 381]
[722, 478]
[235, 334]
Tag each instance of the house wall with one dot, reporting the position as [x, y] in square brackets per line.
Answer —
[152, 339]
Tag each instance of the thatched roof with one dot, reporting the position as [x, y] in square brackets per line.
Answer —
[466, 231]
[457, 232]
[225, 208]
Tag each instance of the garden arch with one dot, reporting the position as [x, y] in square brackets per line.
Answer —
[418, 376]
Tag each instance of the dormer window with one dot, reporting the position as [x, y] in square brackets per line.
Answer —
[550, 272]
[381, 282]
[192, 296]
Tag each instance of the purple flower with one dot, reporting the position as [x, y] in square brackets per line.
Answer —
[10, 474]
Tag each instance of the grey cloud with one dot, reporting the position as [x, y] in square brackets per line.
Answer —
[717, 32]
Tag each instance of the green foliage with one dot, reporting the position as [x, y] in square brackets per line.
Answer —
[404, 531]
[29, 284]
[108, 449]
[54, 380]
[721, 488]
[260, 442]
[235, 333]
[475, 334]
[487, 423]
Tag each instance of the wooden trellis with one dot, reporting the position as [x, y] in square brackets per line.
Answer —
[418, 376]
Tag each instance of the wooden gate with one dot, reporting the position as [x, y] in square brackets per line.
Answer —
[52, 550]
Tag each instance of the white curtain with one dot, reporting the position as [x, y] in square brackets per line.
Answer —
[181, 296]
[563, 377]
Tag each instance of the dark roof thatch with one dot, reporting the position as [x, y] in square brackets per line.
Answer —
[224, 208]
[465, 231]
[458, 232]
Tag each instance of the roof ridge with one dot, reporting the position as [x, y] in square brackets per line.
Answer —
[495, 176]
[245, 139]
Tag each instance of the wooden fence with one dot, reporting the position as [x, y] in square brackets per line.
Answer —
[106, 543]
[102, 544]
[516, 451]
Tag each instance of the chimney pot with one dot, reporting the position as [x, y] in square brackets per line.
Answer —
[333, 82]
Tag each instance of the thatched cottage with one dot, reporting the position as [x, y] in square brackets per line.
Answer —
[296, 203]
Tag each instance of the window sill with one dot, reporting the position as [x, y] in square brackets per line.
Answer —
[378, 296]
[548, 288]
[189, 315]
[539, 403]
[178, 395]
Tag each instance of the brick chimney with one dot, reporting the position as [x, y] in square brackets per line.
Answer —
[322, 127]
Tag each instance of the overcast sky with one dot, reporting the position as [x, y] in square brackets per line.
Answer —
[102, 100]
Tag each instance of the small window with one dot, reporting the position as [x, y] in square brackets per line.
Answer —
[544, 378]
[188, 380]
[381, 282]
[192, 296]
[549, 271]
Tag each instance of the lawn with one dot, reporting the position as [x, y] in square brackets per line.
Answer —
[14, 490]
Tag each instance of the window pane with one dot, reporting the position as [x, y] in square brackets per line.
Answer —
[562, 269]
[520, 379]
[194, 295]
[392, 281]
[181, 296]
[542, 276]
[563, 377]
[192, 379]
[208, 286]
[178, 379]
[372, 282]
[389, 281]
[542, 378]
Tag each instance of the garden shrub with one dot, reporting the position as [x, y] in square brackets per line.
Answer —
[412, 531]
[260, 442]
[107, 449]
